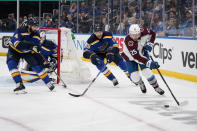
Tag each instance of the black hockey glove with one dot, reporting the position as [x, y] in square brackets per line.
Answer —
[36, 48]
[110, 57]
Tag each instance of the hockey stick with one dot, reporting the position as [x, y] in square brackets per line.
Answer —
[64, 85]
[75, 95]
[178, 103]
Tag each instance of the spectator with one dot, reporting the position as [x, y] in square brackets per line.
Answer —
[2, 26]
[126, 27]
[116, 24]
[105, 25]
[186, 27]
[92, 8]
[148, 19]
[55, 15]
[157, 17]
[84, 23]
[68, 23]
[20, 21]
[172, 14]
[25, 18]
[131, 12]
[159, 8]
[172, 29]
[106, 11]
[84, 8]
[11, 22]
[64, 16]
[119, 29]
[48, 18]
[73, 8]
[157, 27]
[132, 20]
[49, 24]
[56, 23]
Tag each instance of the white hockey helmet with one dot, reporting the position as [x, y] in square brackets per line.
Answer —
[134, 29]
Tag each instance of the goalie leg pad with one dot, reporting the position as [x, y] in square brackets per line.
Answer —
[43, 75]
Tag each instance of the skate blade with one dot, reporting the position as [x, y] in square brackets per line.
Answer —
[20, 92]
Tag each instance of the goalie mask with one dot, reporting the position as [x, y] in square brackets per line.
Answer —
[42, 36]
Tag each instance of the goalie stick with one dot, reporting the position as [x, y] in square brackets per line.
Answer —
[177, 102]
[78, 95]
[64, 85]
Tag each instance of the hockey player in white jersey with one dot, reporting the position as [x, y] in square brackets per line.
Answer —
[138, 43]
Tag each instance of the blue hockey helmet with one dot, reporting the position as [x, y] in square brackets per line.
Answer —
[97, 27]
[32, 21]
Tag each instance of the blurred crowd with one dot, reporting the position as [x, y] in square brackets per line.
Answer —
[173, 20]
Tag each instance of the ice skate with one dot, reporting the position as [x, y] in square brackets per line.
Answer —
[115, 82]
[159, 90]
[50, 86]
[20, 89]
[142, 87]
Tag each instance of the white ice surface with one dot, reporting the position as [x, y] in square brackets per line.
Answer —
[103, 108]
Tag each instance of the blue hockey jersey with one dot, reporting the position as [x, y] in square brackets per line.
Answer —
[49, 49]
[100, 45]
[22, 41]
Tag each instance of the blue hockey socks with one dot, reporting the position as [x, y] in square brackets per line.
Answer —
[12, 66]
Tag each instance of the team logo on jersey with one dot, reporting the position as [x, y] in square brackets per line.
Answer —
[130, 43]
[16, 36]
[103, 47]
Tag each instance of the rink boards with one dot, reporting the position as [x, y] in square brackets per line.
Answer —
[177, 56]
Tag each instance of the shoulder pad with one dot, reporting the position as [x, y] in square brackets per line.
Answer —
[91, 39]
[106, 33]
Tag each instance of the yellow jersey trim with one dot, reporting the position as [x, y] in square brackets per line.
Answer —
[94, 42]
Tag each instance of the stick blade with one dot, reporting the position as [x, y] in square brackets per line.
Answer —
[74, 95]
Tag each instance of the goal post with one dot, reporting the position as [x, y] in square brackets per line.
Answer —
[71, 68]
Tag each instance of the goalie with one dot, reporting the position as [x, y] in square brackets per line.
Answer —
[49, 52]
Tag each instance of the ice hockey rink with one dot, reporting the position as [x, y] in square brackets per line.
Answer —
[103, 108]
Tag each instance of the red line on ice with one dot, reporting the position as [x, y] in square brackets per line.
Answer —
[17, 123]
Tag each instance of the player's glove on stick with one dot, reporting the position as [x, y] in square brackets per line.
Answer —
[148, 46]
[152, 64]
[110, 57]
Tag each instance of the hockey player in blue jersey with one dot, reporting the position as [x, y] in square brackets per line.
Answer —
[101, 45]
[25, 44]
[49, 52]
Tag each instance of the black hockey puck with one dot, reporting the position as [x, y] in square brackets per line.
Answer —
[166, 106]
